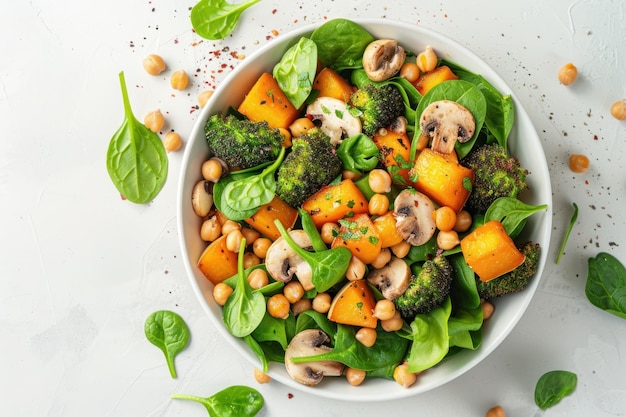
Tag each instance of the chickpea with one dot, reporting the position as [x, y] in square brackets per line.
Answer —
[427, 59]
[321, 302]
[422, 142]
[258, 278]
[378, 204]
[250, 259]
[233, 240]
[384, 309]
[356, 269]
[578, 163]
[301, 305]
[402, 375]
[568, 74]
[261, 377]
[392, 324]
[487, 308]
[210, 229]
[463, 221]
[212, 170]
[293, 291]
[382, 259]
[355, 377]
[401, 249]
[179, 80]
[203, 97]
[496, 411]
[447, 240]
[379, 181]
[251, 235]
[154, 120]
[445, 218]
[366, 336]
[278, 306]
[329, 232]
[260, 247]
[221, 292]
[153, 64]
[346, 174]
[410, 71]
[230, 226]
[286, 137]
[618, 109]
[301, 126]
[172, 142]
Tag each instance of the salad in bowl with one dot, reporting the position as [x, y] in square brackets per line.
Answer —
[363, 203]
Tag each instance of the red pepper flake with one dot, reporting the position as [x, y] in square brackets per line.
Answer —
[175, 41]
[290, 395]
[274, 11]
[595, 137]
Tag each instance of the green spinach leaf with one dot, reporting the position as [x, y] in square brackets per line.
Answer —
[216, 19]
[341, 43]
[553, 386]
[136, 159]
[244, 310]
[572, 222]
[311, 231]
[358, 153]
[511, 212]
[234, 401]
[169, 332]
[606, 284]
[296, 70]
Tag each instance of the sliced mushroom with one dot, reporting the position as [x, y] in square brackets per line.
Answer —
[382, 59]
[447, 121]
[307, 343]
[392, 280]
[414, 217]
[283, 263]
[335, 118]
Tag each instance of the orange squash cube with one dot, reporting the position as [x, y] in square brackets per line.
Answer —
[266, 102]
[354, 305]
[358, 234]
[334, 202]
[216, 262]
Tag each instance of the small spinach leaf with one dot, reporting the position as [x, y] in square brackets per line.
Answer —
[553, 386]
[572, 222]
[216, 19]
[358, 153]
[296, 70]
[136, 158]
[606, 284]
[234, 401]
[169, 332]
[341, 43]
[511, 212]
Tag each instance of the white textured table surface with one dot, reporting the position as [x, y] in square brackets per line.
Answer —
[80, 269]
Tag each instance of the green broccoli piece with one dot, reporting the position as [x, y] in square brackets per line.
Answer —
[377, 106]
[311, 164]
[427, 289]
[496, 174]
[240, 142]
[515, 280]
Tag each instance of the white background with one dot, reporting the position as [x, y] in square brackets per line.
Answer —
[80, 269]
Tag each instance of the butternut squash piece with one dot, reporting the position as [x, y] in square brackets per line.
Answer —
[263, 220]
[217, 263]
[358, 234]
[385, 226]
[330, 84]
[490, 251]
[354, 305]
[429, 79]
[334, 202]
[266, 101]
[395, 150]
[442, 178]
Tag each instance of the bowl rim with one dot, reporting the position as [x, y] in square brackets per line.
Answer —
[540, 234]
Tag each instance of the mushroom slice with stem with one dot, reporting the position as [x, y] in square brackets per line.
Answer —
[447, 121]
[382, 59]
[392, 280]
[335, 118]
[414, 217]
[309, 343]
[282, 262]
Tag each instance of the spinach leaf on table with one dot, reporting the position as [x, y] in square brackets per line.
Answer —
[216, 19]
[234, 401]
[136, 158]
[169, 332]
[553, 386]
[570, 227]
[606, 284]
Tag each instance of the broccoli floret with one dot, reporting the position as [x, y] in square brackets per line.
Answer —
[378, 106]
[515, 280]
[240, 142]
[311, 164]
[427, 290]
[496, 174]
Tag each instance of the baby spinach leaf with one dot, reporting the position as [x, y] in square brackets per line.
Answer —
[511, 212]
[216, 19]
[311, 231]
[341, 43]
[296, 70]
[606, 284]
[311, 319]
[169, 332]
[328, 266]
[245, 308]
[234, 401]
[572, 222]
[358, 153]
[553, 386]
[136, 158]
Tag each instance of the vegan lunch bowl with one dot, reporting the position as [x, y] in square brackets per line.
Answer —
[358, 212]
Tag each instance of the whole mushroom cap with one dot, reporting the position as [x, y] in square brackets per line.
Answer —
[382, 59]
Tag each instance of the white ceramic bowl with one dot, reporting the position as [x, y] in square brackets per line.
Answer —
[509, 308]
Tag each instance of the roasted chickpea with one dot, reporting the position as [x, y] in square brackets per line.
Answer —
[321, 302]
[233, 240]
[154, 64]
[355, 377]
[293, 291]
[172, 142]
[286, 137]
[221, 292]
[258, 278]
[301, 305]
[427, 59]
[356, 269]
[179, 80]
[278, 306]
[230, 226]
[329, 232]
[154, 120]
[463, 221]
[400, 250]
[378, 204]
[618, 109]
[203, 97]
[212, 170]
[422, 142]
[487, 308]
[568, 74]
[260, 247]
[382, 259]
[366, 336]
[392, 324]
[410, 71]
[496, 411]
[261, 377]
[447, 240]
[445, 218]
[578, 163]
[251, 235]
[301, 126]
[379, 181]
[250, 259]
[402, 375]
[384, 309]
[210, 229]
